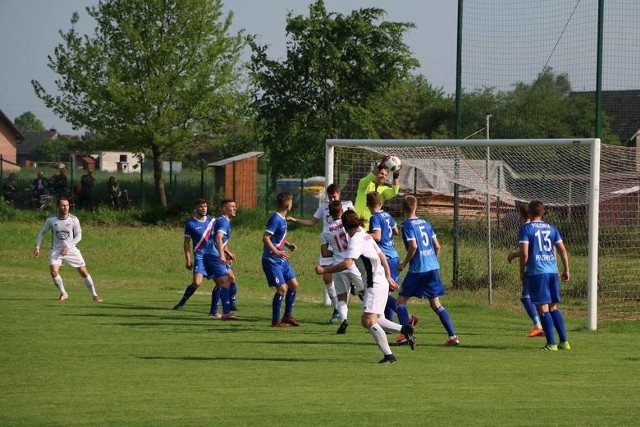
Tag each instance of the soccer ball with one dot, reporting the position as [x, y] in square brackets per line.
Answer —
[393, 164]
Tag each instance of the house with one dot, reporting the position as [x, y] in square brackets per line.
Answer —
[110, 161]
[10, 137]
[32, 141]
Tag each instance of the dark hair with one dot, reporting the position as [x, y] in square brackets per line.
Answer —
[225, 201]
[409, 203]
[351, 220]
[535, 209]
[374, 199]
[335, 207]
[332, 189]
[281, 198]
[522, 211]
[61, 198]
[198, 202]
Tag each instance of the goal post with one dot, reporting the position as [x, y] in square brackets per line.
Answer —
[496, 175]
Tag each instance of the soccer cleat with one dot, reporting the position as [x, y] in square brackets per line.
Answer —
[334, 317]
[414, 321]
[389, 359]
[361, 295]
[536, 332]
[97, 298]
[550, 347]
[352, 290]
[407, 331]
[452, 340]
[229, 316]
[564, 345]
[401, 340]
[343, 327]
[178, 306]
[290, 320]
[63, 297]
[215, 316]
[278, 325]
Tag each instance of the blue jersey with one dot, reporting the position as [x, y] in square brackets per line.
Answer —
[384, 222]
[277, 227]
[425, 258]
[199, 231]
[222, 225]
[542, 239]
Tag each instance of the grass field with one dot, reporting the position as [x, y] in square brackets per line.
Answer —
[131, 360]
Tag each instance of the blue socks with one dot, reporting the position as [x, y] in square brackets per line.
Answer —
[390, 308]
[289, 301]
[558, 322]
[547, 326]
[403, 314]
[276, 305]
[226, 302]
[443, 314]
[531, 310]
[215, 299]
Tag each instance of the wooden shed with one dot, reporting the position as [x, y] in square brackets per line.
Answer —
[237, 178]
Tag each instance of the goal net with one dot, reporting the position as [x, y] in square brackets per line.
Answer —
[590, 190]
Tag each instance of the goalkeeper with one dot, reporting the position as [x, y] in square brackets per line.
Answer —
[376, 180]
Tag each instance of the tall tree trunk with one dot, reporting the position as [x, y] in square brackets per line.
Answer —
[157, 175]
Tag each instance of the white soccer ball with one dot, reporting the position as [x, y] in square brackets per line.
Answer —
[393, 164]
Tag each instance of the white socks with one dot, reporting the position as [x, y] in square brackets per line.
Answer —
[58, 282]
[343, 310]
[388, 325]
[88, 282]
[381, 338]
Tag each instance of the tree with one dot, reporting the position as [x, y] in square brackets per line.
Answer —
[28, 122]
[157, 76]
[336, 69]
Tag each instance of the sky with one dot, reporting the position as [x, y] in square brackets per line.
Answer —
[29, 32]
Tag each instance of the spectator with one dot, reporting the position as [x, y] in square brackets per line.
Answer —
[9, 187]
[113, 188]
[86, 188]
[60, 182]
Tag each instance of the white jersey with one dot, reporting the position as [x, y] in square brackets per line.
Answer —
[364, 250]
[336, 237]
[65, 232]
[322, 213]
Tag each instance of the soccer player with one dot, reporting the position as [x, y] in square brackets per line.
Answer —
[423, 279]
[322, 213]
[218, 258]
[197, 230]
[382, 227]
[334, 243]
[66, 234]
[376, 180]
[275, 263]
[364, 252]
[530, 308]
[539, 242]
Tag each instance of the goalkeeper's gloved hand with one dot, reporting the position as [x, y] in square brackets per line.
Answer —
[396, 175]
[383, 163]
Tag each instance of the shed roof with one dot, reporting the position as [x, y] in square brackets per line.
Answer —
[237, 158]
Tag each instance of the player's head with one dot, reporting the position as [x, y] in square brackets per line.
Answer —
[333, 192]
[229, 208]
[351, 221]
[535, 209]
[409, 204]
[64, 205]
[284, 201]
[374, 201]
[200, 207]
[335, 209]
[40, 174]
[381, 176]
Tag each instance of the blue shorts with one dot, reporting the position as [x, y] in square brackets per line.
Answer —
[198, 265]
[393, 267]
[427, 285]
[544, 288]
[215, 268]
[278, 273]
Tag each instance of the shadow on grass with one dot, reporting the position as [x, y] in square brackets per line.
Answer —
[240, 358]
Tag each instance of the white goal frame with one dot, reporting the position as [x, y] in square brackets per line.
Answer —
[594, 187]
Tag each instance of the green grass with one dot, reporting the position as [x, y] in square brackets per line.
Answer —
[131, 360]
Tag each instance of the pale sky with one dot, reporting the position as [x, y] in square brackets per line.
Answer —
[29, 33]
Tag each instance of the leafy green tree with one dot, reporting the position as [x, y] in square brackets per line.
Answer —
[28, 122]
[157, 76]
[336, 69]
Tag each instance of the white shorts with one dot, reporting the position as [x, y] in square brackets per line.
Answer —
[342, 282]
[73, 258]
[325, 261]
[375, 299]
